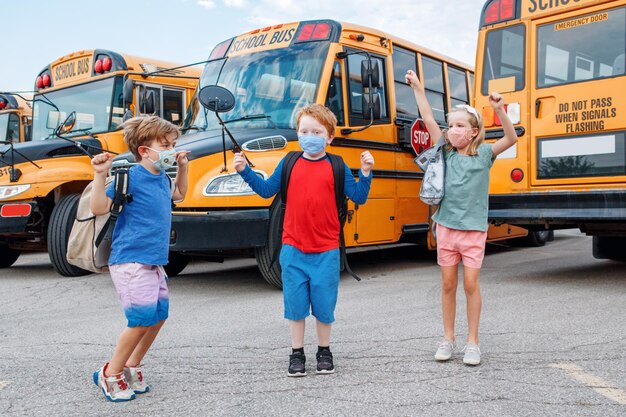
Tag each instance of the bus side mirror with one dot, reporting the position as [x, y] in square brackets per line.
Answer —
[370, 71]
[216, 98]
[129, 86]
[67, 125]
[370, 103]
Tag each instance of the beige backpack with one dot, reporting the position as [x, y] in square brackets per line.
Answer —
[89, 244]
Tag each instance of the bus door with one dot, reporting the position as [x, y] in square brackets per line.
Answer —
[169, 103]
[374, 221]
[579, 115]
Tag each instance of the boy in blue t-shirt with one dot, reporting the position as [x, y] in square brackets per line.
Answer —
[140, 246]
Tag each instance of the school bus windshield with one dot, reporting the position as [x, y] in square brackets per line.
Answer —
[269, 87]
[92, 103]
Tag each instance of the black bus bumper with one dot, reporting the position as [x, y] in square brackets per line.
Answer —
[559, 208]
[219, 230]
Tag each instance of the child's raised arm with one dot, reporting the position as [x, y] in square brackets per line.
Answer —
[422, 104]
[100, 203]
[510, 137]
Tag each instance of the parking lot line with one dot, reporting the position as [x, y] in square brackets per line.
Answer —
[595, 383]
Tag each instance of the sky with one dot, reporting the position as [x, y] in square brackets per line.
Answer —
[37, 32]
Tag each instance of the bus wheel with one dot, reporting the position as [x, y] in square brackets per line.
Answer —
[8, 256]
[176, 262]
[535, 238]
[270, 267]
[59, 228]
[609, 248]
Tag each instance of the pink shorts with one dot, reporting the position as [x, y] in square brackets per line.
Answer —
[456, 245]
[143, 292]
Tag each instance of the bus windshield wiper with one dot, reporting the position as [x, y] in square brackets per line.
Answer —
[252, 117]
[194, 127]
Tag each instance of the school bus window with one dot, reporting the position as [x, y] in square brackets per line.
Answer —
[334, 98]
[357, 90]
[471, 78]
[9, 127]
[117, 113]
[434, 87]
[458, 86]
[582, 156]
[575, 49]
[274, 84]
[504, 56]
[92, 103]
[173, 106]
[404, 60]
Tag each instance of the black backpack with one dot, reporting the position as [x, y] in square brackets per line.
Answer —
[339, 172]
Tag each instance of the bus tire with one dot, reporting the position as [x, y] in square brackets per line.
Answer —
[59, 228]
[264, 255]
[8, 256]
[534, 239]
[176, 262]
[605, 247]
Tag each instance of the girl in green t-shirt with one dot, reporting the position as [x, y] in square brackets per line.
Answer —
[462, 216]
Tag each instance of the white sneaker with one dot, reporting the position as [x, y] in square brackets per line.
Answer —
[444, 351]
[472, 354]
[114, 387]
[134, 377]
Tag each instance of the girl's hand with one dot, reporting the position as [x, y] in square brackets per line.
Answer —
[101, 163]
[367, 163]
[239, 161]
[181, 158]
[496, 101]
[412, 80]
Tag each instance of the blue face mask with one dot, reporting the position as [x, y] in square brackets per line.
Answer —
[167, 159]
[312, 145]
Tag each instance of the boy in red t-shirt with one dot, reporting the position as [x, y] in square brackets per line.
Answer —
[309, 257]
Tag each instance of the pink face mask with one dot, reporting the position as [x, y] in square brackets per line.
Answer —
[459, 137]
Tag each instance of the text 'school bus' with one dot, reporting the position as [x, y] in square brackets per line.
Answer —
[79, 103]
[560, 66]
[273, 72]
[15, 118]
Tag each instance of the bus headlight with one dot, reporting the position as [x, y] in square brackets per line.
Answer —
[229, 184]
[9, 191]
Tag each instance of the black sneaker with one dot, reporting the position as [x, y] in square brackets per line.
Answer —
[297, 363]
[325, 362]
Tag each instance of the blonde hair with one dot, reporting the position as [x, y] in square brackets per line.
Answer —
[476, 122]
[320, 113]
[143, 130]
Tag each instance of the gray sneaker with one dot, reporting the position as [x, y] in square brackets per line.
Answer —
[472, 354]
[444, 351]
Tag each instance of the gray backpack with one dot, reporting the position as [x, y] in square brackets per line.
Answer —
[432, 162]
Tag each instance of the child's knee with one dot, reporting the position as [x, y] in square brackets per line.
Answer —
[470, 287]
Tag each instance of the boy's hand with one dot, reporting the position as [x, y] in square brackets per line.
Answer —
[181, 158]
[367, 163]
[412, 80]
[496, 101]
[239, 161]
[102, 162]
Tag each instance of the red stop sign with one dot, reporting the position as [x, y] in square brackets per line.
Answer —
[420, 138]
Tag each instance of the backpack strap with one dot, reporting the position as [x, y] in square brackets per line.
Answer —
[120, 198]
[288, 163]
[339, 174]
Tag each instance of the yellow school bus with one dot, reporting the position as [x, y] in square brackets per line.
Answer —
[359, 73]
[80, 100]
[560, 66]
[15, 118]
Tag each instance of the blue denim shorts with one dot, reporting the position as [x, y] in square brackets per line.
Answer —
[310, 283]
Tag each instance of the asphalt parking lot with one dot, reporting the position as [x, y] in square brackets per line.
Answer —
[552, 337]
